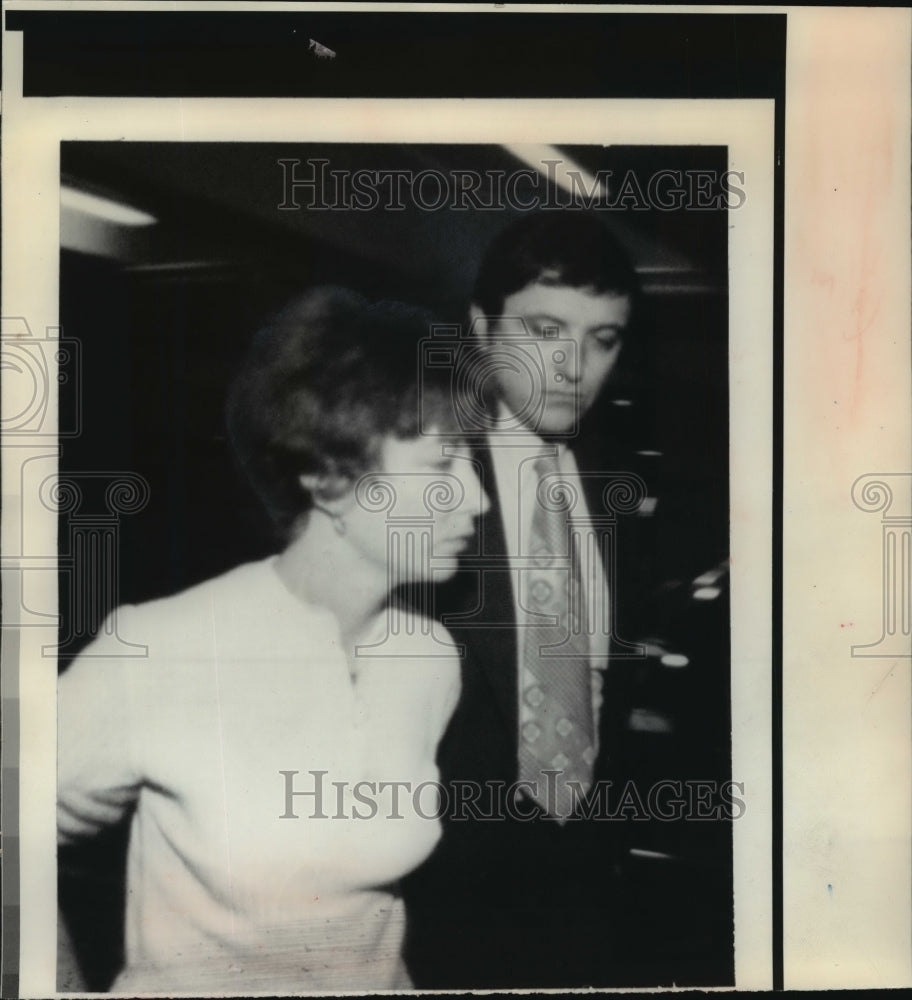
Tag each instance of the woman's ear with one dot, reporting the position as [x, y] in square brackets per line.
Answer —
[331, 496]
[331, 493]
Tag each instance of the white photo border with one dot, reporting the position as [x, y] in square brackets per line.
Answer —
[745, 127]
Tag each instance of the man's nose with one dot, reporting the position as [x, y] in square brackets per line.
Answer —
[566, 360]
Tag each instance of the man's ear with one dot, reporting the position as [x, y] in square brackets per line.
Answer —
[479, 323]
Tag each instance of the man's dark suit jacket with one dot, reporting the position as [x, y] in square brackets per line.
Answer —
[511, 902]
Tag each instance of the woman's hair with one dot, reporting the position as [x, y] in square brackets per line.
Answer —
[569, 247]
[324, 382]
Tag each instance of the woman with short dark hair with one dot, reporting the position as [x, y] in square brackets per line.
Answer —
[276, 747]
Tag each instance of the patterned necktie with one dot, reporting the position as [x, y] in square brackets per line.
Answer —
[556, 732]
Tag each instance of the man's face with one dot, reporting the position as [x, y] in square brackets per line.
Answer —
[568, 381]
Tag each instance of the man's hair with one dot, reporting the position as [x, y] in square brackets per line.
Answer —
[563, 247]
[325, 381]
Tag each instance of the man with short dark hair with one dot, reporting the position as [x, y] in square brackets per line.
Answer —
[521, 890]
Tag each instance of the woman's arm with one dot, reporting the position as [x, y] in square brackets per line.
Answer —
[99, 714]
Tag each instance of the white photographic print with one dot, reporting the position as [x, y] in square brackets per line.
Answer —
[404, 571]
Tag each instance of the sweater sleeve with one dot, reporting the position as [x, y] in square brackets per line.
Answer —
[98, 699]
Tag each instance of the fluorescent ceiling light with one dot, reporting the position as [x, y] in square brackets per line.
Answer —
[103, 208]
[556, 166]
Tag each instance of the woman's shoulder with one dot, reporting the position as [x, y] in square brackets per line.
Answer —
[188, 621]
[413, 655]
[409, 634]
[238, 582]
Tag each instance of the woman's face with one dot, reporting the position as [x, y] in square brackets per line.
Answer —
[417, 514]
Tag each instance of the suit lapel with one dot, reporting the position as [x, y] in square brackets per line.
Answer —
[479, 602]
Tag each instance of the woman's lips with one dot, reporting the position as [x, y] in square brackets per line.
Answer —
[454, 543]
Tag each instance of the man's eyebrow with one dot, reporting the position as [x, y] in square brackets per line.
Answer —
[545, 318]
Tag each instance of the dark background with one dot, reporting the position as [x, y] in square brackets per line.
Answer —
[488, 53]
[163, 314]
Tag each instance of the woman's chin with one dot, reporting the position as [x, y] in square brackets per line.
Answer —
[445, 568]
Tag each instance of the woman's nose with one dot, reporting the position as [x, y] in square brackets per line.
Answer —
[485, 504]
[476, 495]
